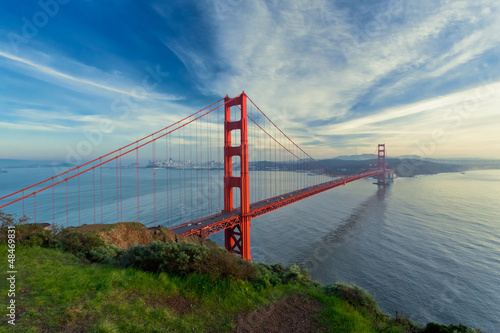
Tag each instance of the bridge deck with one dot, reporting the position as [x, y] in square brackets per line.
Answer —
[215, 223]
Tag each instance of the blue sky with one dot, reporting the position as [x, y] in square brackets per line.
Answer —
[337, 76]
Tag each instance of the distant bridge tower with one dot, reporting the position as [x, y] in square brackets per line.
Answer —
[381, 165]
[237, 238]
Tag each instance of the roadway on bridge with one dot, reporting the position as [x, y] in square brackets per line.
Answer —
[214, 223]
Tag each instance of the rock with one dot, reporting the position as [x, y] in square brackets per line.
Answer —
[126, 235]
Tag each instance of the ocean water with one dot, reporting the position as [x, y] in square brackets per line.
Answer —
[427, 247]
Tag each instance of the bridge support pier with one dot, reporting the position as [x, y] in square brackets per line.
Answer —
[237, 238]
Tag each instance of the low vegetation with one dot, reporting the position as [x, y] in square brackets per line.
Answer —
[70, 280]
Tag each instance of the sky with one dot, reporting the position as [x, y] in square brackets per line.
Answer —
[337, 76]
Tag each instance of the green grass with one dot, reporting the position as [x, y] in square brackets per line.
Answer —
[58, 293]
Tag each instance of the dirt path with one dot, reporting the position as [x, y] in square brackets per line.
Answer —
[295, 314]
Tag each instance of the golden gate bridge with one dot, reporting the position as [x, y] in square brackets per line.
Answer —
[223, 166]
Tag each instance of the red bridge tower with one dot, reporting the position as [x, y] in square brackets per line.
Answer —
[381, 165]
[237, 238]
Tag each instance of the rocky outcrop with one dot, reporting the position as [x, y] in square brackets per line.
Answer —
[128, 234]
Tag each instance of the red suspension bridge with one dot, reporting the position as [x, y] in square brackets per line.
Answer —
[213, 170]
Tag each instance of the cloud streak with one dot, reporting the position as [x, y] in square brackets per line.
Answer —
[79, 82]
[320, 63]
[334, 75]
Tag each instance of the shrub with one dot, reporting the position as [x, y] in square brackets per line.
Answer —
[353, 294]
[165, 257]
[186, 258]
[271, 275]
[220, 264]
[27, 234]
[8, 220]
[183, 258]
[79, 243]
[106, 254]
[437, 328]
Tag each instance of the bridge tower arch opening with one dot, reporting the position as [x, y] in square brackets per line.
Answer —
[237, 238]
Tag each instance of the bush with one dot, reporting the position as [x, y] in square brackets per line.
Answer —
[9, 220]
[107, 254]
[36, 235]
[79, 243]
[220, 264]
[28, 234]
[88, 246]
[437, 328]
[357, 297]
[271, 275]
[186, 258]
[165, 257]
[173, 258]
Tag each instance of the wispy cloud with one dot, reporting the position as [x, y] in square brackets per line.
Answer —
[341, 74]
[317, 62]
[79, 83]
[33, 127]
[57, 74]
[462, 117]
[433, 108]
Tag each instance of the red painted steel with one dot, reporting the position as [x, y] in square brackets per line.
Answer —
[224, 221]
[105, 162]
[237, 236]
[381, 165]
[234, 221]
[109, 154]
[286, 136]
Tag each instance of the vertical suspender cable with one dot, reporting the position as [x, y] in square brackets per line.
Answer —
[191, 169]
[180, 175]
[121, 188]
[117, 193]
[154, 182]
[269, 171]
[93, 189]
[53, 205]
[170, 176]
[184, 171]
[100, 171]
[67, 207]
[79, 215]
[34, 204]
[167, 166]
[209, 143]
[219, 177]
[137, 173]
[275, 170]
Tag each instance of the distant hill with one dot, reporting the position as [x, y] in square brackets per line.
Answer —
[13, 163]
[408, 166]
[355, 157]
[371, 156]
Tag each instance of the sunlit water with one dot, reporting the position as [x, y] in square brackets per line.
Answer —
[427, 247]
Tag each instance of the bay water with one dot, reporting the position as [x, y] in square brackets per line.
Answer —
[427, 247]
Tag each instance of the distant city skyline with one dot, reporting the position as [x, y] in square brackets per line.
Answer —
[337, 76]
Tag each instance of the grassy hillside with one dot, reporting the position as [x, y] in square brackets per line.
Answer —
[126, 278]
[56, 292]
